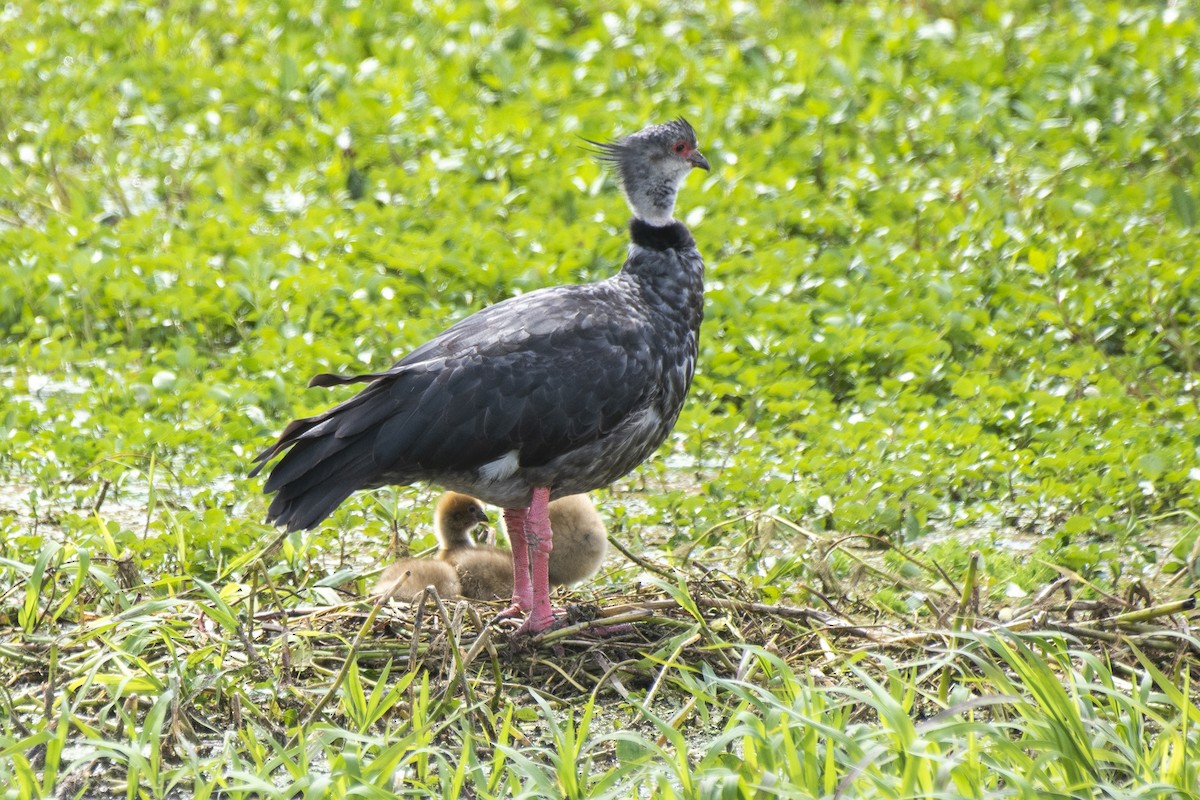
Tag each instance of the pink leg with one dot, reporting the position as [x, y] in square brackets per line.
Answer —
[541, 542]
[515, 520]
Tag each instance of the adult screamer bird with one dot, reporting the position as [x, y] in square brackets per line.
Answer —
[556, 392]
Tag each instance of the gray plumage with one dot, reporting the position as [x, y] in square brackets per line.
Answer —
[566, 388]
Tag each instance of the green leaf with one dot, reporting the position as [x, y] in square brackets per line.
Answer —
[1184, 205]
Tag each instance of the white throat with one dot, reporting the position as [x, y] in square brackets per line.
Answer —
[657, 220]
[653, 201]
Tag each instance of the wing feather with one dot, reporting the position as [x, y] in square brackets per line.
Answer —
[542, 373]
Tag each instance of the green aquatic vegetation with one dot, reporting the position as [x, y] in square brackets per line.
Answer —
[949, 362]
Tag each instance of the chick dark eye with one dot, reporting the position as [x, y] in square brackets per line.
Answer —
[680, 147]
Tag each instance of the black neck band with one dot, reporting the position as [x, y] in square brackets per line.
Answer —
[675, 236]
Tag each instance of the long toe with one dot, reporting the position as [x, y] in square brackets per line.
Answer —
[515, 611]
[539, 623]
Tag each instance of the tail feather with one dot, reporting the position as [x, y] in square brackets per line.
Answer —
[321, 481]
[308, 455]
[358, 444]
[302, 512]
[327, 379]
[345, 424]
[353, 464]
[294, 430]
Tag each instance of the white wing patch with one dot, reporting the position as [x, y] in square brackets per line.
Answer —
[501, 468]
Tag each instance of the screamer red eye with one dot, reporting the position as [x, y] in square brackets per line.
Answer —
[680, 147]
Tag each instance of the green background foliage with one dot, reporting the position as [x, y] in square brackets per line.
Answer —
[951, 254]
[953, 291]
